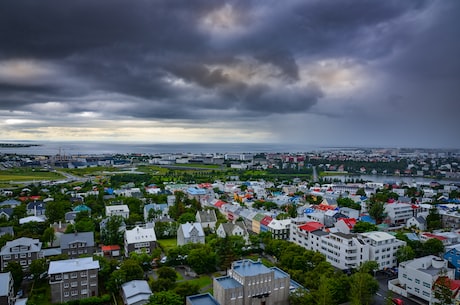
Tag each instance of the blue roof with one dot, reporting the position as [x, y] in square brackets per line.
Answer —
[196, 191]
[279, 274]
[202, 299]
[82, 208]
[228, 282]
[367, 218]
[249, 267]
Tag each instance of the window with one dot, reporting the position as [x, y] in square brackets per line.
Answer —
[73, 275]
[66, 294]
[427, 285]
[84, 283]
[74, 292]
[74, 284]
[66, 285]
[84, 291]
[417, 281]
[23, 255]
[7, 256]
[66, 276]
[83, 274]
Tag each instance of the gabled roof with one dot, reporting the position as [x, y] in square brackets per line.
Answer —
[82, 208]
[311, 226]
[135, 291]
[350, 222]
[36, 205]
[34, 244]
[78, 237]
[207, 216]
[266, 220]
[139, 234]
[188, 227]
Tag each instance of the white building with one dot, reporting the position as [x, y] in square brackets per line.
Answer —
[139, 240]
[120, 210]
[190, 233]
[399, 213]
[382, 248]
[136, 292]
[416, 277]
[344, 251]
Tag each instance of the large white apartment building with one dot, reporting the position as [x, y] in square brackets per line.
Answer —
[345, 250]
[416, 277]
[382, 248]
[399, 213]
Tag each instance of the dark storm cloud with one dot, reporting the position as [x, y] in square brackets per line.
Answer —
[206, 60]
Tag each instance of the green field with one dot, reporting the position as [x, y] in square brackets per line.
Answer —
[167, 244]
[28, 174]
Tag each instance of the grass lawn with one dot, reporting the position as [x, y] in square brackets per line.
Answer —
[41, 293]
[203, 281]
[27, 174]
[167, 244]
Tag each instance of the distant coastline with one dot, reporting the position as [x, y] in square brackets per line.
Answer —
[18, 145]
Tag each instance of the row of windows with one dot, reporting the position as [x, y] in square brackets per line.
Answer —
[73, 275]
[75, 292]
[22, 255]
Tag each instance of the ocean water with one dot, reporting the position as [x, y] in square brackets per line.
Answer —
[100, 148]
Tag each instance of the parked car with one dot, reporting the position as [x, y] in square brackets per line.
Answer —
[397, 301]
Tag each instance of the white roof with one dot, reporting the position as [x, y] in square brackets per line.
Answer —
[279, 224]
[120, 207]
[187, 227]
[139, 234]
[30, 219]
[72, 265]
[135, 291]
[378, 236]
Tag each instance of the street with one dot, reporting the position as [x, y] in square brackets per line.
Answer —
[384, 293]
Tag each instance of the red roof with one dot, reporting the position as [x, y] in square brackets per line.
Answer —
[429, 235]
[350, 222]
[110, 248]
[454, 284]
[219, 203]
[312, 226]
[266, 220]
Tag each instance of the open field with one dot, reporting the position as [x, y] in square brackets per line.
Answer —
[167, 244]
[27, 174]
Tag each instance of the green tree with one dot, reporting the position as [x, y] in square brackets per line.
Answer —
[111, 233]
[377, 211]
[186, 217]
[433, 220]
[202, 259]
[16, 272]
[55, 211]
[165, 297]
[116, 279]
[363, 286]
[364, 226]
[187, 288]
[433, 246]
[132, 270]
[323, 295]
[442, 292]
[48, 235]
[37, 267]
[405, 253]
[167, 273]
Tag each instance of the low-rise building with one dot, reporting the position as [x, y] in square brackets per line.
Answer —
[207, 219]
[77, 244]
[73, 279]
[190, 233]
[382, 248]
[6, 289]
[23, 250]
[140, 240]
[136, 292]
[120, 209]
[233, 229]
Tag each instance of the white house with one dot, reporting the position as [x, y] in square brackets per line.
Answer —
[207, 219]
[121, 210]
[233, 229]
[382, 248]
[140, 239]
[136, 292]
[190, 233]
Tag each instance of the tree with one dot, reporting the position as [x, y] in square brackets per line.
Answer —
[165, 297]
[132, 270]
[48, 235]
[323, 295]
[167, 273]
[377, 211]
[405, 253]
[364, 226]
[116, 279]
[111, 233]
[37, 267]
[55, 211]
[363, 286]
[433, 220]
[361, 192]
[16, 272]
[441, 291]
[187, 288]
[433, 246]
[186, 217]
[202, 259]
[349, 203]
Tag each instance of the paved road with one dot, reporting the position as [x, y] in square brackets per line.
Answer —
[315, 174]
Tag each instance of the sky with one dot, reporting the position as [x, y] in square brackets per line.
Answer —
[337, 72]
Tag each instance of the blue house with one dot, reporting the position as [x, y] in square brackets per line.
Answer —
[453, 256]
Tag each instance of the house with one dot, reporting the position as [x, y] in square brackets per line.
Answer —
[136, 292]
[121, 210]
[233, 229]
[6, 213]
[416, 277]
[140, 239]
[190, 233]
[6, 289]
[31, 219]
[77, 244]
[73, 279]
[12, 203]
[418, 222]
[452, 254]
[453, 285]
[279, 229]
[249, 280]
[6, 230]
[36, 208]
[207, 219]
[154, 211]
[22, 250]
[306, 234]
[82, 208]
[111, 250]
[345, 225]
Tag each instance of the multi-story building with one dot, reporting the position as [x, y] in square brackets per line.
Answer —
[73, 279]
[120, 209]
[307, 235]
[399, 213]
[22, 250]
[382, 248]
[140, 240]
[249, 282]
[279, 229]
[416, 277]
[190, 233]
[77, 244]
[344, 251]
[6, 289]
